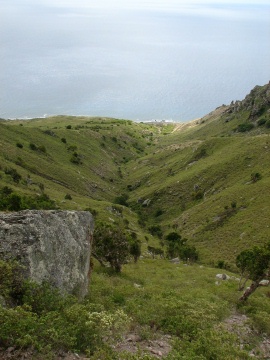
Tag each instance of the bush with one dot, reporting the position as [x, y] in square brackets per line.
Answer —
[42, 149]
[72, 147]
[19, 145]
[14, 174]
[68, 197]
[64, 140]
[68, 127]
[256, 177]
[11, 280]
[245, 127]
[121, 199]
[9, 200]
[155, 230]
[32, 146]
[159, 212]
[267, 124]
[75, 158]
[261, 122]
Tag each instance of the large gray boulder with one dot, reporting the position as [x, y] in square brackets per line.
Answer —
[54, 246]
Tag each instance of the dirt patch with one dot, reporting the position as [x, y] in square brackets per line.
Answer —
[239, 325]
[132, 343]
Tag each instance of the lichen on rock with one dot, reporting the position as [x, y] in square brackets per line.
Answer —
[52, 245]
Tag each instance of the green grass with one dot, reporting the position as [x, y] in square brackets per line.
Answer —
[189, 175]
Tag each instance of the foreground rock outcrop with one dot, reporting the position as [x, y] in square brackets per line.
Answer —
[53, 246]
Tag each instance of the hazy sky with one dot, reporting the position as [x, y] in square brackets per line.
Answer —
[137, 59]
[214, 8]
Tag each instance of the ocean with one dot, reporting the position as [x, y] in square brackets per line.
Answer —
[151, 60]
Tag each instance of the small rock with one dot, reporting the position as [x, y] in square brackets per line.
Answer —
[223, 276]
[133, 338]
[264, 282]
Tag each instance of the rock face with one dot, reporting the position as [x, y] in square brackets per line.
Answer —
[54, 246]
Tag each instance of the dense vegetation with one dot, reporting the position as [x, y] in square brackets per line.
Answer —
[196, 191]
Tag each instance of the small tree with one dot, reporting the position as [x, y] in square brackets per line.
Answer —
[174, 243]
[111, 245]
[254, 264]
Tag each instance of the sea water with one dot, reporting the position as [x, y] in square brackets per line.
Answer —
[171, 60]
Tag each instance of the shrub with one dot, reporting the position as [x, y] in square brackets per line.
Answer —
[121, 199]
[11, 280]
[72, 148]
[42, 148]
[68, 197]
[159, 212]
[19, 145]
[267, 124]
[75, 158]
[261, 122]
[256, 177]
[135, 249]
[197, 195]
[156, 231]
[68, 127]
[245, 127]
[64, 140]
[32, 146]
[14, 174]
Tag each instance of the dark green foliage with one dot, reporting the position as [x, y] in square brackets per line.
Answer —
[111, 245]
[14, 174]
[121, 199]
[64, 140]
[200, 153]
[197, 195]
[156, 230]
[261, 122]
[174, 243]
[68, 197]
[72, 147]
[43, 297]
[176, 246]
[32, 146]
[256, 177]
[267, 124]
[92, 211]
[11, 201]
[68, 127]
[159, 212]
[253, 264]
[11, 280]
[188, 253]
[174, 237]
[135, 249]
[221, 264]
[19, 145]
[155, 251]
[76, 158]
[40, 148]
[245, 127]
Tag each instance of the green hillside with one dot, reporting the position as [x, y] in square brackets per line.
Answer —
[207, 180]
[199, 176]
